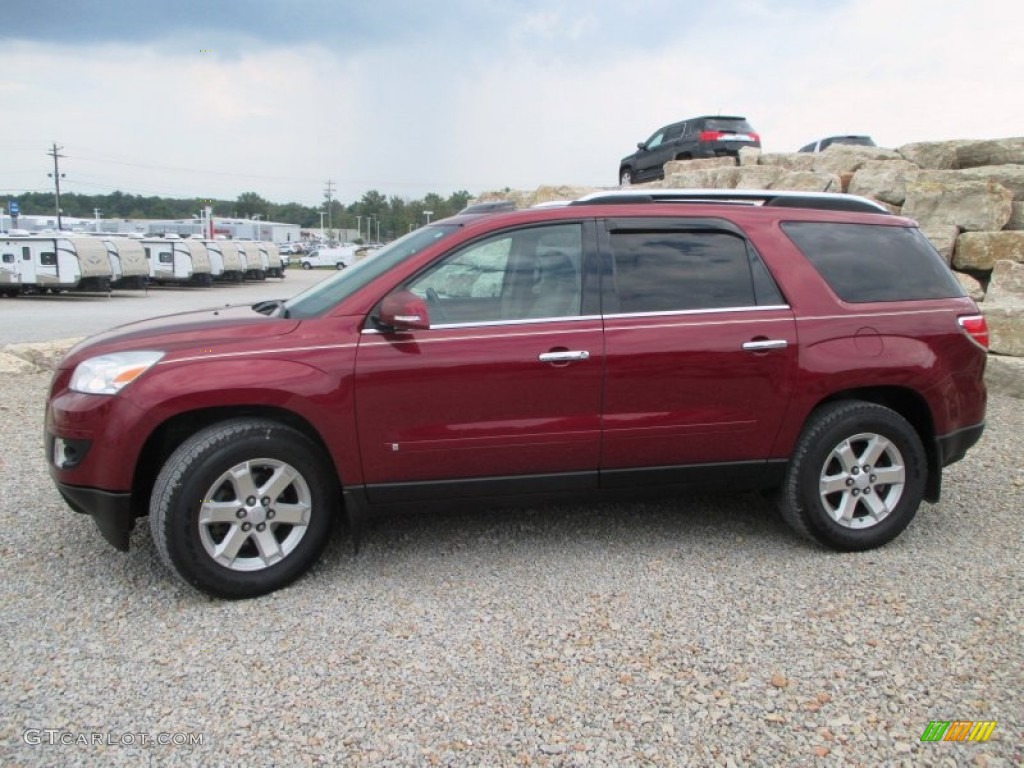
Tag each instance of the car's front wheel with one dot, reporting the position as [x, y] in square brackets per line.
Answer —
[306, 265]
[856, 478]
[243, 507]
[625, 177]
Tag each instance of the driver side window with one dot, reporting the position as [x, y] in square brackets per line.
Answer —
[528, 273]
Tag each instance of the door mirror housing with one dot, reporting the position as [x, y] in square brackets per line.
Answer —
[404, 311]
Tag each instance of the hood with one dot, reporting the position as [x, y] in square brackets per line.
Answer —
[220, 327]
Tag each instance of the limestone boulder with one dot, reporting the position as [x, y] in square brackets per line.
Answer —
[809, 181]
[883, 180]
[932, 155]
[749, 155]
[1009, 176]
[1005, 375]
[1005, 321]
[758, 176]
[44, 354]
[1007, 282]
[971, 154]
[11, 365]
[943, 237]
[969, 205]
[707, 178]
[971, 285]
[981, 250]
[701, 164]
[848, 158]
[1016, 216]
[790, 161]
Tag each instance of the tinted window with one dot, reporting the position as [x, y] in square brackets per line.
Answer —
[48, 258]
[8, 258]
[719, 124]
[867, 262]
[670, 271]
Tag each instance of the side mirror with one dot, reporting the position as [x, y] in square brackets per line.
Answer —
[404, 311]
[641, 145]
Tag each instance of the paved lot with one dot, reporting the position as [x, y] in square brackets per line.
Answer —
[44, 318]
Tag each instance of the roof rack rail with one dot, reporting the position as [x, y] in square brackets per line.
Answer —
[491, 206]
[826, 201]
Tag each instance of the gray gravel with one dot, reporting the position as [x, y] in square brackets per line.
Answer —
[692, 632]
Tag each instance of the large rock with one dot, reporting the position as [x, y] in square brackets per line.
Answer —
[11, 365]
[708, 178]
[1005, 375]
[809, 181]
[969, 205]
[42, 354]
[981, 250]
[1016, 217]
[848, 158]
[943, 237]
[758, 177]
[933, 155]
[1007, 282]
[972, 286]
[883, 180]
[543, 194]
[1005, 321]
[972, 154]
[701, 164]
[749, 155]
[1009, 176]
[790, 161]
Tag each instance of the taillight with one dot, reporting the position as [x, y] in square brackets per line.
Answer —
[710, 135]
[755, 136]
[975, 327]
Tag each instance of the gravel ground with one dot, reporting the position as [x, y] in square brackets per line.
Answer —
[696, 632]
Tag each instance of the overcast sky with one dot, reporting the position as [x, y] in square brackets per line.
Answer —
[199, 98]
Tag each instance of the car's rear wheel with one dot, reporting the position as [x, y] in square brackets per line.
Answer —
[625, 177]
[857, 477]
[243, 507]
[306, 265]
[340, 265]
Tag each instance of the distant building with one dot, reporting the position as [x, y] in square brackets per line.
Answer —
[239, 229]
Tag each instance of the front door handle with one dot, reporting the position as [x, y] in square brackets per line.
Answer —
[762, 344]
[567, 356]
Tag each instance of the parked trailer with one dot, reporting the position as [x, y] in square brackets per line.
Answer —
[173, 260]
[276, 268]
[256, 266]
[202, 267]
[10, 278]
[128, 265]
[225, 252]
[54, 263]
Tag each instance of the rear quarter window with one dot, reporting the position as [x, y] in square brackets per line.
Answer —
[868, 262]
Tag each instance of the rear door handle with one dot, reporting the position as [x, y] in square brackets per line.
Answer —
[762, 345]
[563, 357]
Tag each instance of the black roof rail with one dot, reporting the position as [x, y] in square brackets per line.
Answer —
[491, 206]
[825, 201]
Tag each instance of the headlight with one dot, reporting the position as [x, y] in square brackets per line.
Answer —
[108, 374]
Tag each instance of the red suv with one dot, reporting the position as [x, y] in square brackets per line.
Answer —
[624, 343]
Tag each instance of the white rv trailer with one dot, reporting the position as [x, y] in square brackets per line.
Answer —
[173, 260]
[225, 252]
[275, 266]
[54, 263]
[256, 267]
[202, 268]
[128, 265]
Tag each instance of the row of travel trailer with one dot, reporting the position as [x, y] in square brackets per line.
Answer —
[50, 263]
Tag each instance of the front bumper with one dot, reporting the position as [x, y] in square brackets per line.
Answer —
[111, 511]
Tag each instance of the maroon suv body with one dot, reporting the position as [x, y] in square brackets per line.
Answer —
[621, 343]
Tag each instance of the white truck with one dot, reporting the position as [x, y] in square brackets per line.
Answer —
[54, 263]
[338, 258]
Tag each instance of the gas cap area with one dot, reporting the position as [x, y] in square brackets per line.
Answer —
[868, 342]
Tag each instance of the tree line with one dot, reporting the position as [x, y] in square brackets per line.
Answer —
[396, 215]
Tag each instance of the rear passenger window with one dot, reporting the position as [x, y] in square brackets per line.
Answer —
[675, 271]
[48, 258]
[868, 262]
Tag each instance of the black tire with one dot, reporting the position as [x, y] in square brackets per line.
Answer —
[306, 265]
[195, 480]
[340, 265]
[838, 441]
[625, 177]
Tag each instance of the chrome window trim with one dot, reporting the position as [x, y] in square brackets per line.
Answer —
[498, 323]
[277, 350]
[678, 312]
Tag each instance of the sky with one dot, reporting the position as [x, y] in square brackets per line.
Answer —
[279, 97]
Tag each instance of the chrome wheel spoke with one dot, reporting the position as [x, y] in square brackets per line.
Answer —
[227, 550]
[270, 550]
[218, 512]
[243, 482]
[834, 484]
[844, 452]
[889, 476]
[876, 448]
[277, 484]
[291, 514]
[876, 505]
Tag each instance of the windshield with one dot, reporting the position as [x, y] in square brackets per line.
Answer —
[324, 295]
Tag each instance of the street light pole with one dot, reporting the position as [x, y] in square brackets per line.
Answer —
[428, 214]
[322, 214]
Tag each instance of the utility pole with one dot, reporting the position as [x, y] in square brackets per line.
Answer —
[329, 195]
[96, 213]
[55, 154]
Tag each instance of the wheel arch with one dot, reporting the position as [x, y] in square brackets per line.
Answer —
[170, 434]
[911, 406]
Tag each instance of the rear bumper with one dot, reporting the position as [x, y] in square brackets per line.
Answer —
[954, 446]
[111, 511]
